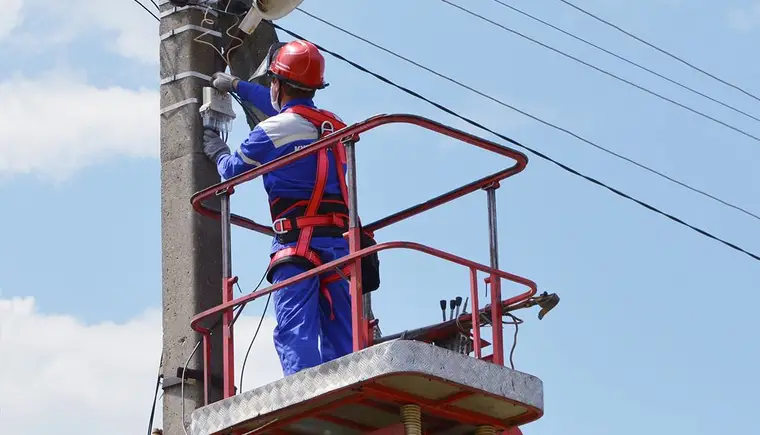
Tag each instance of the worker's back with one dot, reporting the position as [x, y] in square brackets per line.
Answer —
[289, 132]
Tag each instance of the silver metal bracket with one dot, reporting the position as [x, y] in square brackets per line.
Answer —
[183, 75]
[174, 9]
[195, 3]
[177, 105]
[188, 27]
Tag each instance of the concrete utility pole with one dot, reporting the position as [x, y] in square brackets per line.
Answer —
[191, 244]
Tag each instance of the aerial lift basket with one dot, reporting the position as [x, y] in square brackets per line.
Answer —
[414, 382]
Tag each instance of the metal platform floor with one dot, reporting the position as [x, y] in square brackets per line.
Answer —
[362, 392]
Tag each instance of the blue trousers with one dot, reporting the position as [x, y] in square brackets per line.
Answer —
[305, 335]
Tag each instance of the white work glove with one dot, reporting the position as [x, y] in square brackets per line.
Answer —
[213, 145]
[224, 82]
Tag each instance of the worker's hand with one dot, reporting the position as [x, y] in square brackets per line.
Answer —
[213, 145]
[224, 82]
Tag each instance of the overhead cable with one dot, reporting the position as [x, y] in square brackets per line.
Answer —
[616, 27]
[601, 70]
[147, 10]
[624, 59]
[514, 142]
[547, 123]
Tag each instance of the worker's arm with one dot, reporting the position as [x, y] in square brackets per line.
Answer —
[251, 92]
[253, 152]
[257, 95]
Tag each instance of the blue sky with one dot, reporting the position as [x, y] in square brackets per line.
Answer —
[656, 323]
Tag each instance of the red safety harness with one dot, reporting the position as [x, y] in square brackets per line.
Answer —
[320, 215]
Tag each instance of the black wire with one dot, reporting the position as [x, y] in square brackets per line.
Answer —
[255, 334]
[675, 82]
[182, 384]
[156, 5]
[246, 109]
[512, 141]
[515, 321]
[659, 49]
[147, 10]
[250, 345]
[159, 377]
[603, 71]
[556, 127]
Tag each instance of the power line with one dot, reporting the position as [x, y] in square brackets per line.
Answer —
[603, 71]
[514, 142]
[675, 82]
[547, 123]
[155, 4]
[659, 49]
[147, 10]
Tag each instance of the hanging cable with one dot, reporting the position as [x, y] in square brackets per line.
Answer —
[255, 334]
[156, 5]
[250, 345]
[159, 378]
[515, 321]
[659, 49]
[554, 126]
[246, 109]
[603, 71]
[147, 10]
[578, 38]
[512, 141]
[187, 363]
[182, 385]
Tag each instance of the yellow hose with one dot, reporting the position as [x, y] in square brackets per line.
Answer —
[411, 416]
[485, 430]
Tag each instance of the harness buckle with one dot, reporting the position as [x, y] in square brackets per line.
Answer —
[278, 226]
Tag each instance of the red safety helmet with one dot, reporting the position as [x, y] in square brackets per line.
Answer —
[298, 63]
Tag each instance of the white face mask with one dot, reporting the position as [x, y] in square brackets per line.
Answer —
[274, 92]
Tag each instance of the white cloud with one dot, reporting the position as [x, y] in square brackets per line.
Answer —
[745, 20]
[57, 372]
[55, 125]
[10, 16]
[137, 32]
[130, 30]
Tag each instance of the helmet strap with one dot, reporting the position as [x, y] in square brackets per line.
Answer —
[275, 94]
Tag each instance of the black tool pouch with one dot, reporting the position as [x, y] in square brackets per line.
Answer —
[370, 266]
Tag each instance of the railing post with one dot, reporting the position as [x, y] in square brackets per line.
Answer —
[496, 309]
[475, 312]
[228, 348]
[359, 306]
[493, 234]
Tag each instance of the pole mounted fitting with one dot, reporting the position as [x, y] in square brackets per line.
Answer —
[216, 111]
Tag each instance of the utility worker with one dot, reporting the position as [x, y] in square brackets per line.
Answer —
[313, 315]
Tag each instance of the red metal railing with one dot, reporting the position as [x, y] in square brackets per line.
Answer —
[361, 326]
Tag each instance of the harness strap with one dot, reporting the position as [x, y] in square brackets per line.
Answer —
[325, 123]
[284, 225]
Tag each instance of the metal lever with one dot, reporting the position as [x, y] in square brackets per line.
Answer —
[547, 302]
[443, 309]
[452, 305]
[458, 302]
